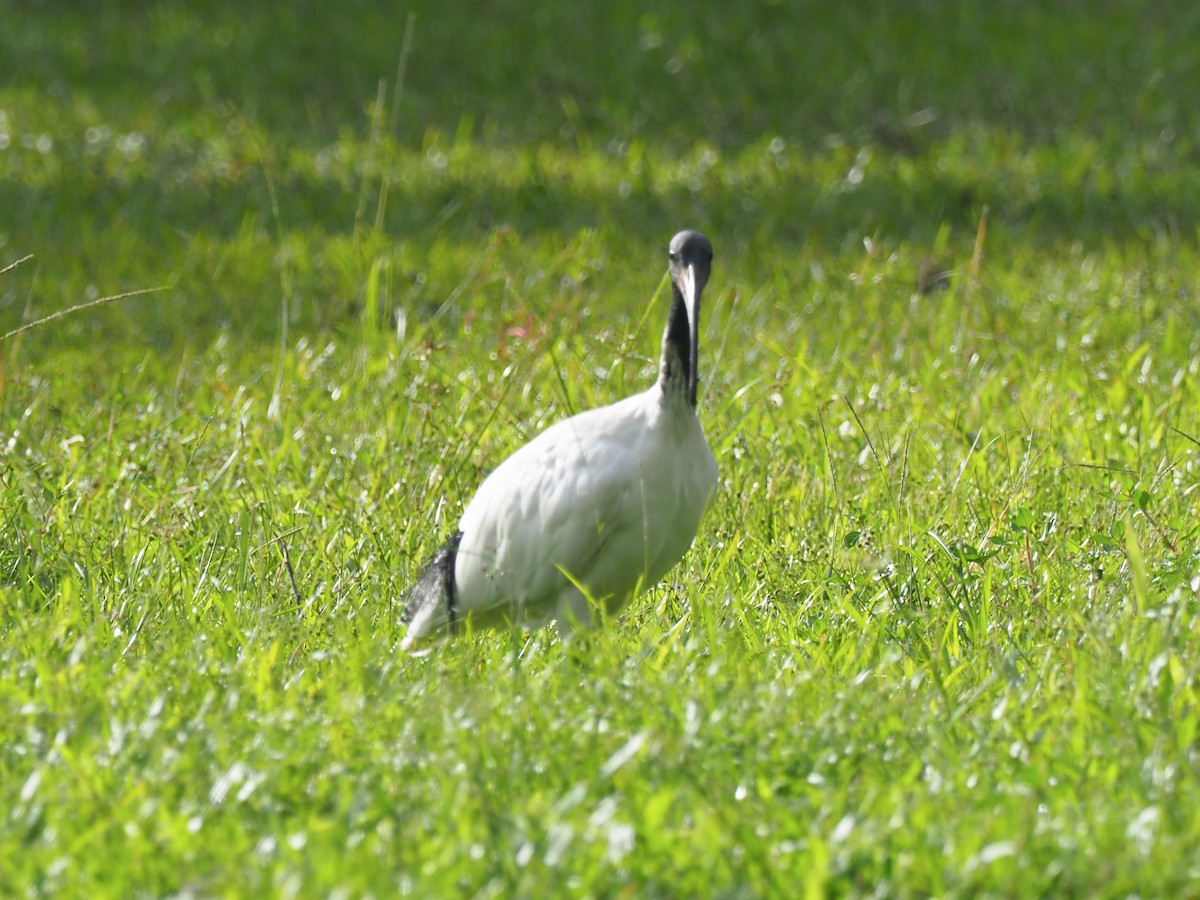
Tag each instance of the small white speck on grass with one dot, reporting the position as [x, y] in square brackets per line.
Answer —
[842, 830]
[97, 135]
[132, 143]
[571, 799]
[220, 788]
[156, 707]
[385, 831]
[298, 840]
[604, 811]
[934, 779]
[999, 708]
[855, 177]
[991, 853]
[237, 774]
[31, 785]
[1141, 829]
[559, 837]
[194, 824]
[524, 854]
[1154, 670]
[623, 755]
[622, 839]
[116, 737]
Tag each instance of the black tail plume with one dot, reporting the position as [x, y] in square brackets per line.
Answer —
[436, 585]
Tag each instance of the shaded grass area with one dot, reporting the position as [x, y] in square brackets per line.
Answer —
[938, 635]
[785, 128]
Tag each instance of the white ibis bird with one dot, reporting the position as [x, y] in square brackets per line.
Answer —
[590, 511]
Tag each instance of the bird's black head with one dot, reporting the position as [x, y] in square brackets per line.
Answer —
[691, 249]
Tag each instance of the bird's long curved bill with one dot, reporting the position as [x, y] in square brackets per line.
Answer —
[691, 300]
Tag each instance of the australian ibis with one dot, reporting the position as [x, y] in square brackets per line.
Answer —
[591, 511]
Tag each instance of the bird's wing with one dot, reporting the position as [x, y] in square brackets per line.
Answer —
[556, 512]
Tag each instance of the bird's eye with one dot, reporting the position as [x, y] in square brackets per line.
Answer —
[672, 256]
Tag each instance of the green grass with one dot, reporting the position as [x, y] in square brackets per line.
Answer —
[939, 635]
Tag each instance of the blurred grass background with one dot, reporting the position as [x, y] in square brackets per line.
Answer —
[141, 153]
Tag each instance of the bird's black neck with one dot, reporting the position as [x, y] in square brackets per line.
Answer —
[677, 371]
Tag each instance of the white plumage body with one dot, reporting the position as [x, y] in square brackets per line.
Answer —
[608, 501]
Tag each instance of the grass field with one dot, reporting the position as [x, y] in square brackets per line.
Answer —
[940, 634]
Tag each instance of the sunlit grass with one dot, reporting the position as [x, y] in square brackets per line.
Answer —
[938, 635]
